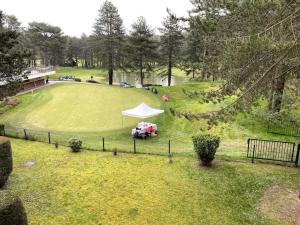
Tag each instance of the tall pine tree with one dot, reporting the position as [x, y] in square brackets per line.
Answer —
[171, 42]
[110, 33]
[142, 48]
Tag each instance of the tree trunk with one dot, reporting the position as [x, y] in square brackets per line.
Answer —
[193, 73]
[110, 69]
[170, 70]
[46, 59]
[280, 85]
[271, 97]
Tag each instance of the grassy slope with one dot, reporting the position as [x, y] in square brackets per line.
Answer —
[77, 107]
[98, 188]
[179, 130]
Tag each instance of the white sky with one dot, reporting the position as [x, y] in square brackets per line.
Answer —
[78, 16]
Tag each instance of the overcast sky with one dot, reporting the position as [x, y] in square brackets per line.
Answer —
[76, 17]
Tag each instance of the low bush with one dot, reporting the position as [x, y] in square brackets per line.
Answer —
[6, 162]
[77, 79]
[206, 147]
[12, 211]
[75, 144]
[93, 81]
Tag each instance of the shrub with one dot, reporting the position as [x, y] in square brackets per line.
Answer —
[56, 144]
[75, 144]
[93, 81]
[6, 162]
[12, 211]
[77, 79]
[206, 147]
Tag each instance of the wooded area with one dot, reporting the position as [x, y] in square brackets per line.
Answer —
[252, 45]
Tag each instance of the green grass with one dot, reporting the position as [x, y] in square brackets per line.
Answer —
[77, 108]
[91, 112]
[99, 188]
[83, 74]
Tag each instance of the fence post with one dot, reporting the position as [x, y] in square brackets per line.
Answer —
[134, 146]
[103, 144]
[169, 148]
[49, 137]
[253, 153]
[248, 147]
[25, 134]
[297, 155]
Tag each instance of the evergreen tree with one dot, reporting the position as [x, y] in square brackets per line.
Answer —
[110, 33]
[171, 42]
[50, 42]
[142, 48]
[13, 59]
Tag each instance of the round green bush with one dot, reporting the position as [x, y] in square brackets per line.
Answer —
[206, 147]
[75, 144]
[12, 211]
[6, 161]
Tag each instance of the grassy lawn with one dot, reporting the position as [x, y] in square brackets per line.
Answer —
[99, 188]
[77, 107]
[83, 74]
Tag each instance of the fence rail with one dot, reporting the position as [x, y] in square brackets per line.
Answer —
[288, 128]
[273, 150]
[96, 142]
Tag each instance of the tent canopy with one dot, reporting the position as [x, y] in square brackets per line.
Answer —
[142, 111]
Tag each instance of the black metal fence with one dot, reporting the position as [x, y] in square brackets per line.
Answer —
[273, 150]
[289, 128]
[97, 142]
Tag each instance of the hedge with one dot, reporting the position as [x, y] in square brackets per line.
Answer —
[6, 161]
[12, 211]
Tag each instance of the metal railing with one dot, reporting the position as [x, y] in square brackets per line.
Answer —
[288, 128]
[97, 142]
[273, 150]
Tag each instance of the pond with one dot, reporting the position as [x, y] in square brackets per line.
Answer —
[134, 79]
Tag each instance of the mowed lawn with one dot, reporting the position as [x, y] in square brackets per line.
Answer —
[98, 188]
[77, 108]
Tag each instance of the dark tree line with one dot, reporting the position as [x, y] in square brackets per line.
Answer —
[252, 45]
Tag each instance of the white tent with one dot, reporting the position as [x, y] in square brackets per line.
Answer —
[142, 111]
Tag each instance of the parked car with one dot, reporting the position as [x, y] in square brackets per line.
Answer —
[125, 85]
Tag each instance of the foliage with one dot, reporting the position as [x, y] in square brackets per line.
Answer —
[93, 81]
[50, 42]
[171, 42]
[12, 211]
[206, 147]
[142, 48]
[75, 144]
[12, 60]
[109, 33]
[267, 46]
[6, 162]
